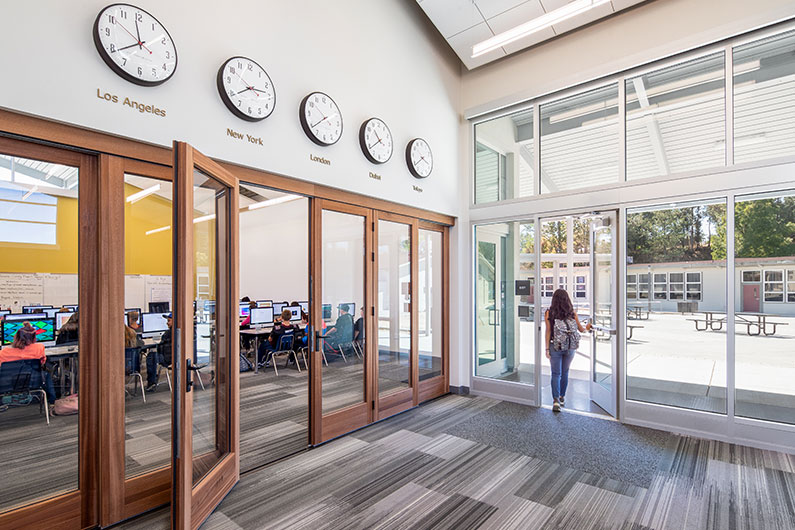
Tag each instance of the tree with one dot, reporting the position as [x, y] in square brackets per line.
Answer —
[676, 234]
[765, 228]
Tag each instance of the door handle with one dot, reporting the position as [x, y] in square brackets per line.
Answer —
[603, 329]
[188, 376]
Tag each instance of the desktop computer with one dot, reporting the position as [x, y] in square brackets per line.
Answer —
[326, 311]
[24, 316]
[35, 308]
[278, 307]
[264, 303]
[153, 323]
[61, 319]
[261, 316]
[4, 312]
[45, 326]
[244, 309]
[295, 313]
[304, 307]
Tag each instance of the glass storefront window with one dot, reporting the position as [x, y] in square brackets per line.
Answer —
[505, 158]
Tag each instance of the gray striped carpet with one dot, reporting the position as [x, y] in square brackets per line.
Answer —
[411, 472]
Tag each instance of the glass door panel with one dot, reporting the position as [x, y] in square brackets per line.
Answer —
[205, 460]
[603, 310]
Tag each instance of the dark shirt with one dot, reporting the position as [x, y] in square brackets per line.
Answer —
[67, 335]
[279, 328]
[358, 329]
[343, 329]
[164, 348]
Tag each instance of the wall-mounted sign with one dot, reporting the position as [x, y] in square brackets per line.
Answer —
[523, 287]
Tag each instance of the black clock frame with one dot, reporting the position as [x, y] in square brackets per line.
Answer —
[410, 165]
[116, 68]
[363, 142]
[219, 83]
[305, 125]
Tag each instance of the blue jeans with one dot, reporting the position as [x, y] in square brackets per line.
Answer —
[560, 361]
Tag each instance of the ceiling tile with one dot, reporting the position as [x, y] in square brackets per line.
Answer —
[490, 8]
[586, 18]
[535, 38]
[451, 16]
[516, 16]
[463, 42]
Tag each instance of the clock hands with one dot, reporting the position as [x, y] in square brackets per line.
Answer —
[130, 46]
[138, 42]
[138, 32]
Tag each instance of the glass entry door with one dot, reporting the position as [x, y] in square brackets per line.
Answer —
[204, 353]
[342, 261]
[395, 350]
[603, 310]
[488, 313]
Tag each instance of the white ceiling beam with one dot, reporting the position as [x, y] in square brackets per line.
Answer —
[652, 127]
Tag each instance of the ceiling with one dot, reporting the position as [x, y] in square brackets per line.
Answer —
[464, 23]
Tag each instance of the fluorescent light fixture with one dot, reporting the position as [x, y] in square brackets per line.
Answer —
[271, 202]
[557, 16]
[156, 230]
[204, 218]
[135, 197]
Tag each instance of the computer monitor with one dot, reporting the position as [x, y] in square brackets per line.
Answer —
[34, 308]
[46, 327]
[244, 309]
[127, 312]
[4, 312]
[326, 311]
[278, 307]
[72, 307]
[159, 307]
[24, 316]
[50, 311]
[351, 308]
[62, 318]
[209, 306]
[261, 315]
[152, 323]
[295, 313]
[264, 303]
[304, 307]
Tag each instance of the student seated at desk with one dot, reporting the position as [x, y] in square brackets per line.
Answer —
[26, 347]
[280, 327]
[162, 356]
[132, 339]
[69, 331]
[302, 335]
[245, 340]
[134, 322]
[342, 332]
[358, 328]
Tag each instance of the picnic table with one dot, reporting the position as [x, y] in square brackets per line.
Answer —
[760, 322]
[635, 312]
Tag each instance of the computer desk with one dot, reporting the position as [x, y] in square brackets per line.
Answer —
[61, 354]
[257, 333]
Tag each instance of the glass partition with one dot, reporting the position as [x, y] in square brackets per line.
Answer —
[394, 306]
[430, 293]
[764, 98]
[147, 302]
[764, 329]
[504, 300]
[39, 233]
[505, 158]
[676, 346]
[579, 140]
[676, 118]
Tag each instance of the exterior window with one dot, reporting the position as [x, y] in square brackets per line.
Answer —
[579, 289]
[764, 124]
[548, 287]
[505, 158]
[676, 286]
[562, 282]
[579, 140]
[774, 286]
[693, 286]
[791, 286]
[632, 286]
[660, 286]
[752, 276]
[676, 118]
[643, 286]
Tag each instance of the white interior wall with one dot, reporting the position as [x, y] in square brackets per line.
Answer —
[274, 252]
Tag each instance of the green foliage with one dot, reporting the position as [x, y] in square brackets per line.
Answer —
[677, 234]
[765, 228]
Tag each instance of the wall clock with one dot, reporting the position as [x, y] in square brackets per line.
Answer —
[135, 45]
[246, 89]
[419, 158]
[375, 138]
[320, 118]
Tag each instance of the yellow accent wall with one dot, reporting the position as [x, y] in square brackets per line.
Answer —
[147, 254]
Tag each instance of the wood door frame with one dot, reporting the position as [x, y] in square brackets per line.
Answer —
[77, 508]
[400, 400]
[439, 385]
[194, 503]
[339, 422]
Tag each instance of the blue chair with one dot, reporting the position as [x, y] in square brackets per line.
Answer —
[24, 377]
[132, 369]
[285, 347]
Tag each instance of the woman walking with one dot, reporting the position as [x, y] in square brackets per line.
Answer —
[562, 340]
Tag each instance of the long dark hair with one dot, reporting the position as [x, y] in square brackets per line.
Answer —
[25, 336]
[561, 308]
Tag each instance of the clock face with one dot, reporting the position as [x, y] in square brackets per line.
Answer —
[376, 141]
[135, 45]
[321, 118]
[246, 89]
[419, 158]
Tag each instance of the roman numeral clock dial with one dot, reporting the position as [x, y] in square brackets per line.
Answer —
[246, 89]
[135, 45]
[320, 118]
[375, 139]
[419, 158]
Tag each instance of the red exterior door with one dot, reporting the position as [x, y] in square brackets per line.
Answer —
[751, 298]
